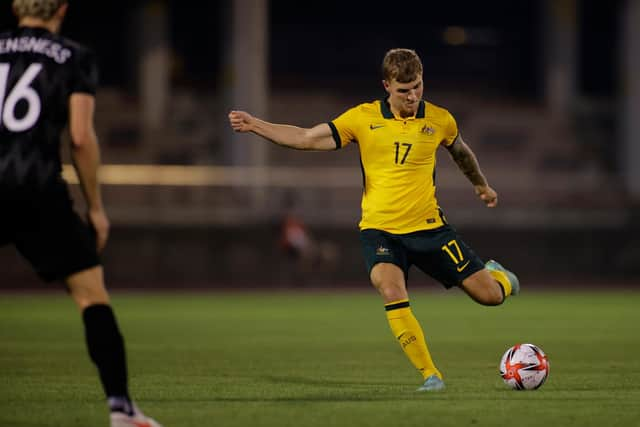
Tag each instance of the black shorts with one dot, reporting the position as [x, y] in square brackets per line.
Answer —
[440, 253]
[47, 231]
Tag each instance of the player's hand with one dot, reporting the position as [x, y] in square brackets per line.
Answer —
[487, 195]
[241, 121]
[100, 223]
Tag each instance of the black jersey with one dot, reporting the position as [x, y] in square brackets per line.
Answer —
[39, 71]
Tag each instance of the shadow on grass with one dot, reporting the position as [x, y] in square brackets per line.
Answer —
[324, 398]
[339, 391]
[362, 391]
[330, 383]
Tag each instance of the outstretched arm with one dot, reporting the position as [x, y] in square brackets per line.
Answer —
[468, 164]
[316, 138]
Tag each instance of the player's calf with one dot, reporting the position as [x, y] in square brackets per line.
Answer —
[107, 351]
[483, 288]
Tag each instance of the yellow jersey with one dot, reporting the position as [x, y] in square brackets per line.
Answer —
[398, 160]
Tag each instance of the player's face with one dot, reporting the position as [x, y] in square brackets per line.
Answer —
[404, 98]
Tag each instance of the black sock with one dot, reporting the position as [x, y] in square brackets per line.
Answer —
[106, 348]
[120, 404]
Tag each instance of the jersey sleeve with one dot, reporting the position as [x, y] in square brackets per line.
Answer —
[85, 77]
[450, 130]
[343, 128]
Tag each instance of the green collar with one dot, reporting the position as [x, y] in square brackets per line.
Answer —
[387, 114]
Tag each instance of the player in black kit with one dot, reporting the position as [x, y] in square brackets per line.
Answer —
[47, 81]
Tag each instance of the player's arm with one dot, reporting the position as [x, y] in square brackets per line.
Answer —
[468, 164]
[317, 138]
[86, 160]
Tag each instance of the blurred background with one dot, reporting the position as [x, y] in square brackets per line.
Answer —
[546, 92]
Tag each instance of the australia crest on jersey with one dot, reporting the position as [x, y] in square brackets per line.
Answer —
[428, 130]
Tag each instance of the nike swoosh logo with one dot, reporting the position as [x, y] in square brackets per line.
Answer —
[462, 267]
[373, 127]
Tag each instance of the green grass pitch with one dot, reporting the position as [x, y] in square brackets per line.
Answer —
[324, 359]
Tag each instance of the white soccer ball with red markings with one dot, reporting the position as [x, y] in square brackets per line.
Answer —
[524, 367]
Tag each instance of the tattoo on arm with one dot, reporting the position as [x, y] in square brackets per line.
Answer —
[466, 161]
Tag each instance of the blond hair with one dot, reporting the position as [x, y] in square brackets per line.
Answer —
[403, 65]
[43, 9]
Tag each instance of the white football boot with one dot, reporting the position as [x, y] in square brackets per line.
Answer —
[138, 419]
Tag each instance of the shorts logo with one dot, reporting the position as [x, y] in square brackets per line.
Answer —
[381, 250]
[374, 127]
[463, 266]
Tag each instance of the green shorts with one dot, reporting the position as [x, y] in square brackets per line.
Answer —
[440, 253]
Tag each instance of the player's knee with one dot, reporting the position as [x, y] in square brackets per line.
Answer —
[391, 291]
[389, 281]
[84, 301]
[87, 288]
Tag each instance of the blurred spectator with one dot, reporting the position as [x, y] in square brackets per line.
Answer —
[303, 254]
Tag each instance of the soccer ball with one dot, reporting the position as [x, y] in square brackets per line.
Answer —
[524, 367]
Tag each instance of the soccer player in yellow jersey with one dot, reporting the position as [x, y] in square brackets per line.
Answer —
[401, 223]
